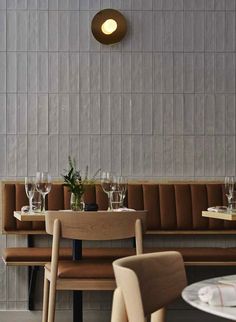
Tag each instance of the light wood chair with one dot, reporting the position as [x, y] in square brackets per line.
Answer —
[87, 274]
[145, 285]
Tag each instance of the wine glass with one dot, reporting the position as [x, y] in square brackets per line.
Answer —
[229, 189]
[119, 184]
[43, 185]
[106, 183]
[30, 190]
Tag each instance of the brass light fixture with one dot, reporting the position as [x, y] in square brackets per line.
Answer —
[108, 26]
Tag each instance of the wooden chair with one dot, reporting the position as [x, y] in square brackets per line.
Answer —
[85, 274]
[145, 285]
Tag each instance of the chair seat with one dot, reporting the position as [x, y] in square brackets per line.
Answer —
[85, 268]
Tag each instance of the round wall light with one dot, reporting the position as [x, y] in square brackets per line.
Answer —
[108, 26]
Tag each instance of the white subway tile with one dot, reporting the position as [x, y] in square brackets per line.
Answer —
[11, 30]
[42, 65]
[11, 73]
[21, 29]
[53, 72]
[63, 72]
[53, 30]
[42, 30]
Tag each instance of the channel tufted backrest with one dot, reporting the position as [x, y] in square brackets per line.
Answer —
[172, 206]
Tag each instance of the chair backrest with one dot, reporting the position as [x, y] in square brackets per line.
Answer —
[148, 282]
[99, 225]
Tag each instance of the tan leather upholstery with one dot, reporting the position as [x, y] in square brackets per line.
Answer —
[170, 206]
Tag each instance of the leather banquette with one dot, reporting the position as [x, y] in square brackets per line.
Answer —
[173, 209]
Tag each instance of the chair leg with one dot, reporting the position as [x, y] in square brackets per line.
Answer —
[118, 313]
[45, 299]
[52, 301]
[33, 272]
[159, 316]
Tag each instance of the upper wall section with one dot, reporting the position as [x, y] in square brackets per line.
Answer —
[159, 104]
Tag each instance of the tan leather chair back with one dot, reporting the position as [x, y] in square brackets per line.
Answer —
[148, 282]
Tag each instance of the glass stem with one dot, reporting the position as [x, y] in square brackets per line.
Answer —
[229, 203]
[31, 204]
[43, 208]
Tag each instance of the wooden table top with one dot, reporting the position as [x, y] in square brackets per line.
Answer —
[219, 215]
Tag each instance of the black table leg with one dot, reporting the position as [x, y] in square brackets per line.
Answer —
[77, 295]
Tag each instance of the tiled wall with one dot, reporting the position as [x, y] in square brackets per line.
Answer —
[159, 104]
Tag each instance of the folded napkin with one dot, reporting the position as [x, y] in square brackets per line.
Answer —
[218, 209]
[124, 209]
[218, 295]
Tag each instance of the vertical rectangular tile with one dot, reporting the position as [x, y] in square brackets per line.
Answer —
[84, 30]
[188, 31]
[126, 155]
[84, 151]
[157, 110]
[209, 72]
[229, 155]
[219, 72]
[63, 109]
[199, 114]
[115, 104]
[115, 75]
[74, 72]
[198, 32]
[32, 30]
[147, 31]
[136, 72]
[2, 30]
[136, 150]
[230, 114]
[95, 74]
[32, 119]
[105, 154]
[11, 30]
[3, 72]
[147, 79]
[178, 114]
[74, 113]
[157, 30]
[137, 31]
[22, 20]
[105, 114]
[63, 30]
[178, 156]
[43, 30]
[126, 114]
[230, 30]
[209, 152]
[42, 115]
[158, 159]
[53, 72]
[168, 114]
[220, 111]
[210, 30]
[188, 73]
[229, 72]
[53, 30]
[167, 31]
[147, 155]
[177, 31]
[74, 30]
[53, 114]
[42, 153]
[11, 155]
[188, 115]
[220, 30]
[42, 65]
[168, 156]
[209, 114]
[53, 153]
[167, 73]
[21, 114]
[188, 156]
[11, 113]
[199, 73]
[178, 68]
[3, 165]
[63, 72]
[95, 123]
[21, 155]
[157, 72]
[116, 154]
[84, 114]
[199, 156]
[3, 114]
[219, 156]
[84, 74]
[94, 154]
[126, 72]
[136, 114]
[147, 114]
[32, 72]
[22, 72]
[11, 72]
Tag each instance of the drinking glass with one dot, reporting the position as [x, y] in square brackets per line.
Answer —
[43, 185]
[106, 183]
[119, 184]
[229, 189]
[30, 190]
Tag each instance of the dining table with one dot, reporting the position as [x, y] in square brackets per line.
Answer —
[190, 295]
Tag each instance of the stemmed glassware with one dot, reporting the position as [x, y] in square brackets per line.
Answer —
[106, 183]
[229, 190]
[119, 187]
[30, 190]
[43, 185]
